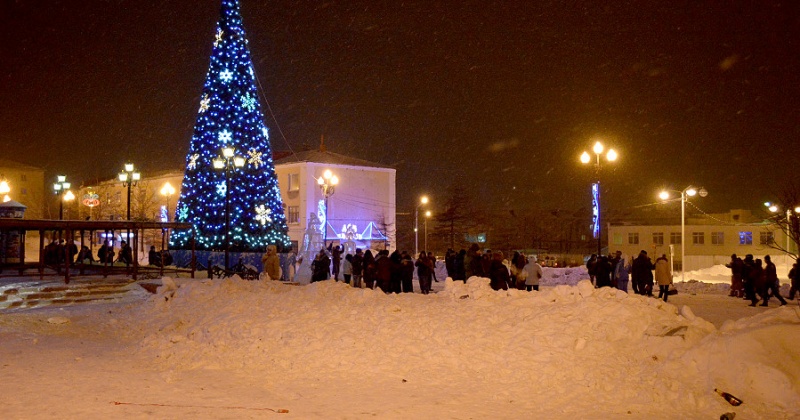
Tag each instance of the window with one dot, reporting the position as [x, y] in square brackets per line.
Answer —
[633, 238]
[658, 238]
[293, 214]
[745, 238]
[717, 238]
[616, 240]
[294, 182]
[675, 238]
[698, 238]
[766, 238]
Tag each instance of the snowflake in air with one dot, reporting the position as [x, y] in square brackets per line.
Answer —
[222, 188]
[204, 103]
[225, 136]
[249, 102]
[226, 76]
[193, 160]
[255, 158]
[262, 214]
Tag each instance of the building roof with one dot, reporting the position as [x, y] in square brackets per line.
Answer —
[5, 163]
[317, 156]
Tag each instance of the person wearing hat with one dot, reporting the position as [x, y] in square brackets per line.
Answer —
[642, 274]
[125, 253]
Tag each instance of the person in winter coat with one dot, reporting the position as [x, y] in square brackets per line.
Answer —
[750, 276]
[347, 268]
[591, 263]
[407, 272]
[737, 288]
[642, 274]
[450, 263]
[498, 273]
[534, 274]
[794, 278]
[383, 271]
[396, 280]
[321, 266]
[663, 277]
[518, 271]
[459, 266]
[336, 254]
[772, 285]
[621, 273]
[472, 262]
[358, 267]
[602, 271]
[370, 270]
[272, 263]
[424, 269]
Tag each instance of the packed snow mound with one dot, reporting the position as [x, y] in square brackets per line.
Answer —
[562, 341]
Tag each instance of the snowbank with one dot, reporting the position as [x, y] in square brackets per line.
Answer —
[560, 353]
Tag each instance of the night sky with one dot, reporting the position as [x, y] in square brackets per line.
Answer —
[500, 96]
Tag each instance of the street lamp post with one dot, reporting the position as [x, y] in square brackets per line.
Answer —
[422, 201]
[68, 197]
[685, 194]
[228, 162]
[167, 190]
[611, 155]
[427, 216]
[327, 184]
[60, 187]
[129, 177]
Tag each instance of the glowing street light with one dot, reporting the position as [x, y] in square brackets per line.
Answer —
[685, 194]
[4, 190]
[774, 208]
[611, 156]
[427, 216]
[327, 184]
[167, 190]
[422, 201]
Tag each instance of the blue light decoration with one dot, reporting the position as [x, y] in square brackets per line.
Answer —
[596, 210]
[230, 115]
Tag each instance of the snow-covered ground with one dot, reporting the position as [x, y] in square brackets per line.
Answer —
[250, 349]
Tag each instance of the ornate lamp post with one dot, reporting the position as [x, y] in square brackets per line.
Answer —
[167, 190]
[611, 156]
[68, 197]
[773, 208]
[60, 188]
[422, 201]
[228, 162]
[327, 183]
[685, 194]
[129, 178]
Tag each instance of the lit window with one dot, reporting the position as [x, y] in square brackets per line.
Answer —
[617, 239]
[745, 238]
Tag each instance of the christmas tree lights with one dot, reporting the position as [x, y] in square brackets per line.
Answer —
[230, 116]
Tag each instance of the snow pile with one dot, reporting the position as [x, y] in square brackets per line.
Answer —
[569, 276]
[569, 343]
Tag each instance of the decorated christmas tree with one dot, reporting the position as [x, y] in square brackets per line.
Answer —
[229, 164]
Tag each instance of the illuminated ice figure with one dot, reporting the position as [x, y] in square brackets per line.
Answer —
[230, 117]
[349, 232]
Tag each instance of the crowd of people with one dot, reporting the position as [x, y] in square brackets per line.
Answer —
[617, 270]
[58, 252]
[751, 278]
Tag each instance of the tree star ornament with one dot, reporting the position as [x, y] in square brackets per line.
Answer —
[226, 76]
[262, 214]
[222, 188]
[249, 102]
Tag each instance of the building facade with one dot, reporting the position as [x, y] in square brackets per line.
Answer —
[26, 186]
[709, 241]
